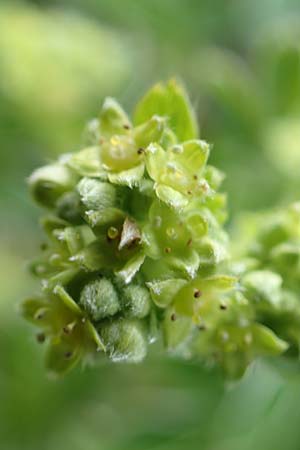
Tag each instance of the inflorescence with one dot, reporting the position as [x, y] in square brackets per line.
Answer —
[135, 250]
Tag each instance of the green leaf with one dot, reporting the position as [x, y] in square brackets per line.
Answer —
[169, 100]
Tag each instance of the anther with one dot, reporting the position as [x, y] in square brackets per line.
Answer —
[140, 151]
[67, 329]
[40, 315]
[197, 293]
[40, 337]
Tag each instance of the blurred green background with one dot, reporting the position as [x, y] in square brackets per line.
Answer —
[241, 63]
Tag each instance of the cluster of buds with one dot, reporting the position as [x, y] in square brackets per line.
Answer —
[135, 250]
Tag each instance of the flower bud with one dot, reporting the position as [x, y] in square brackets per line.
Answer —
[136, 301]
[95, 194]
[69, 208]
[99, 299]
[48, 183]
[125, 340]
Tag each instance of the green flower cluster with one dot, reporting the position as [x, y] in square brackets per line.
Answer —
[271, 271]
[135, 247]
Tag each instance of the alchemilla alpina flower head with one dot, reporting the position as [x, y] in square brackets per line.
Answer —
[134, 247]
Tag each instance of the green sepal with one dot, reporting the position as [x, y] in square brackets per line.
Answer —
[62, 277]
[87, 163]
[265, 341]
[74, 239]
[33, 309]
[67, 300]
[187, 264]
[113, 119]
[150, 131]
[170, 196]
[176, 330]
[193, 156]
[52, 223]
[131, 267]
[61, 356]
[163, 292]
[104, 217]
[203, 291]
[130, 177]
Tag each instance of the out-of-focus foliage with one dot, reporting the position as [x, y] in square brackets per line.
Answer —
[268, 263]
[253, 125]
[253, 113]
[55, 68]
